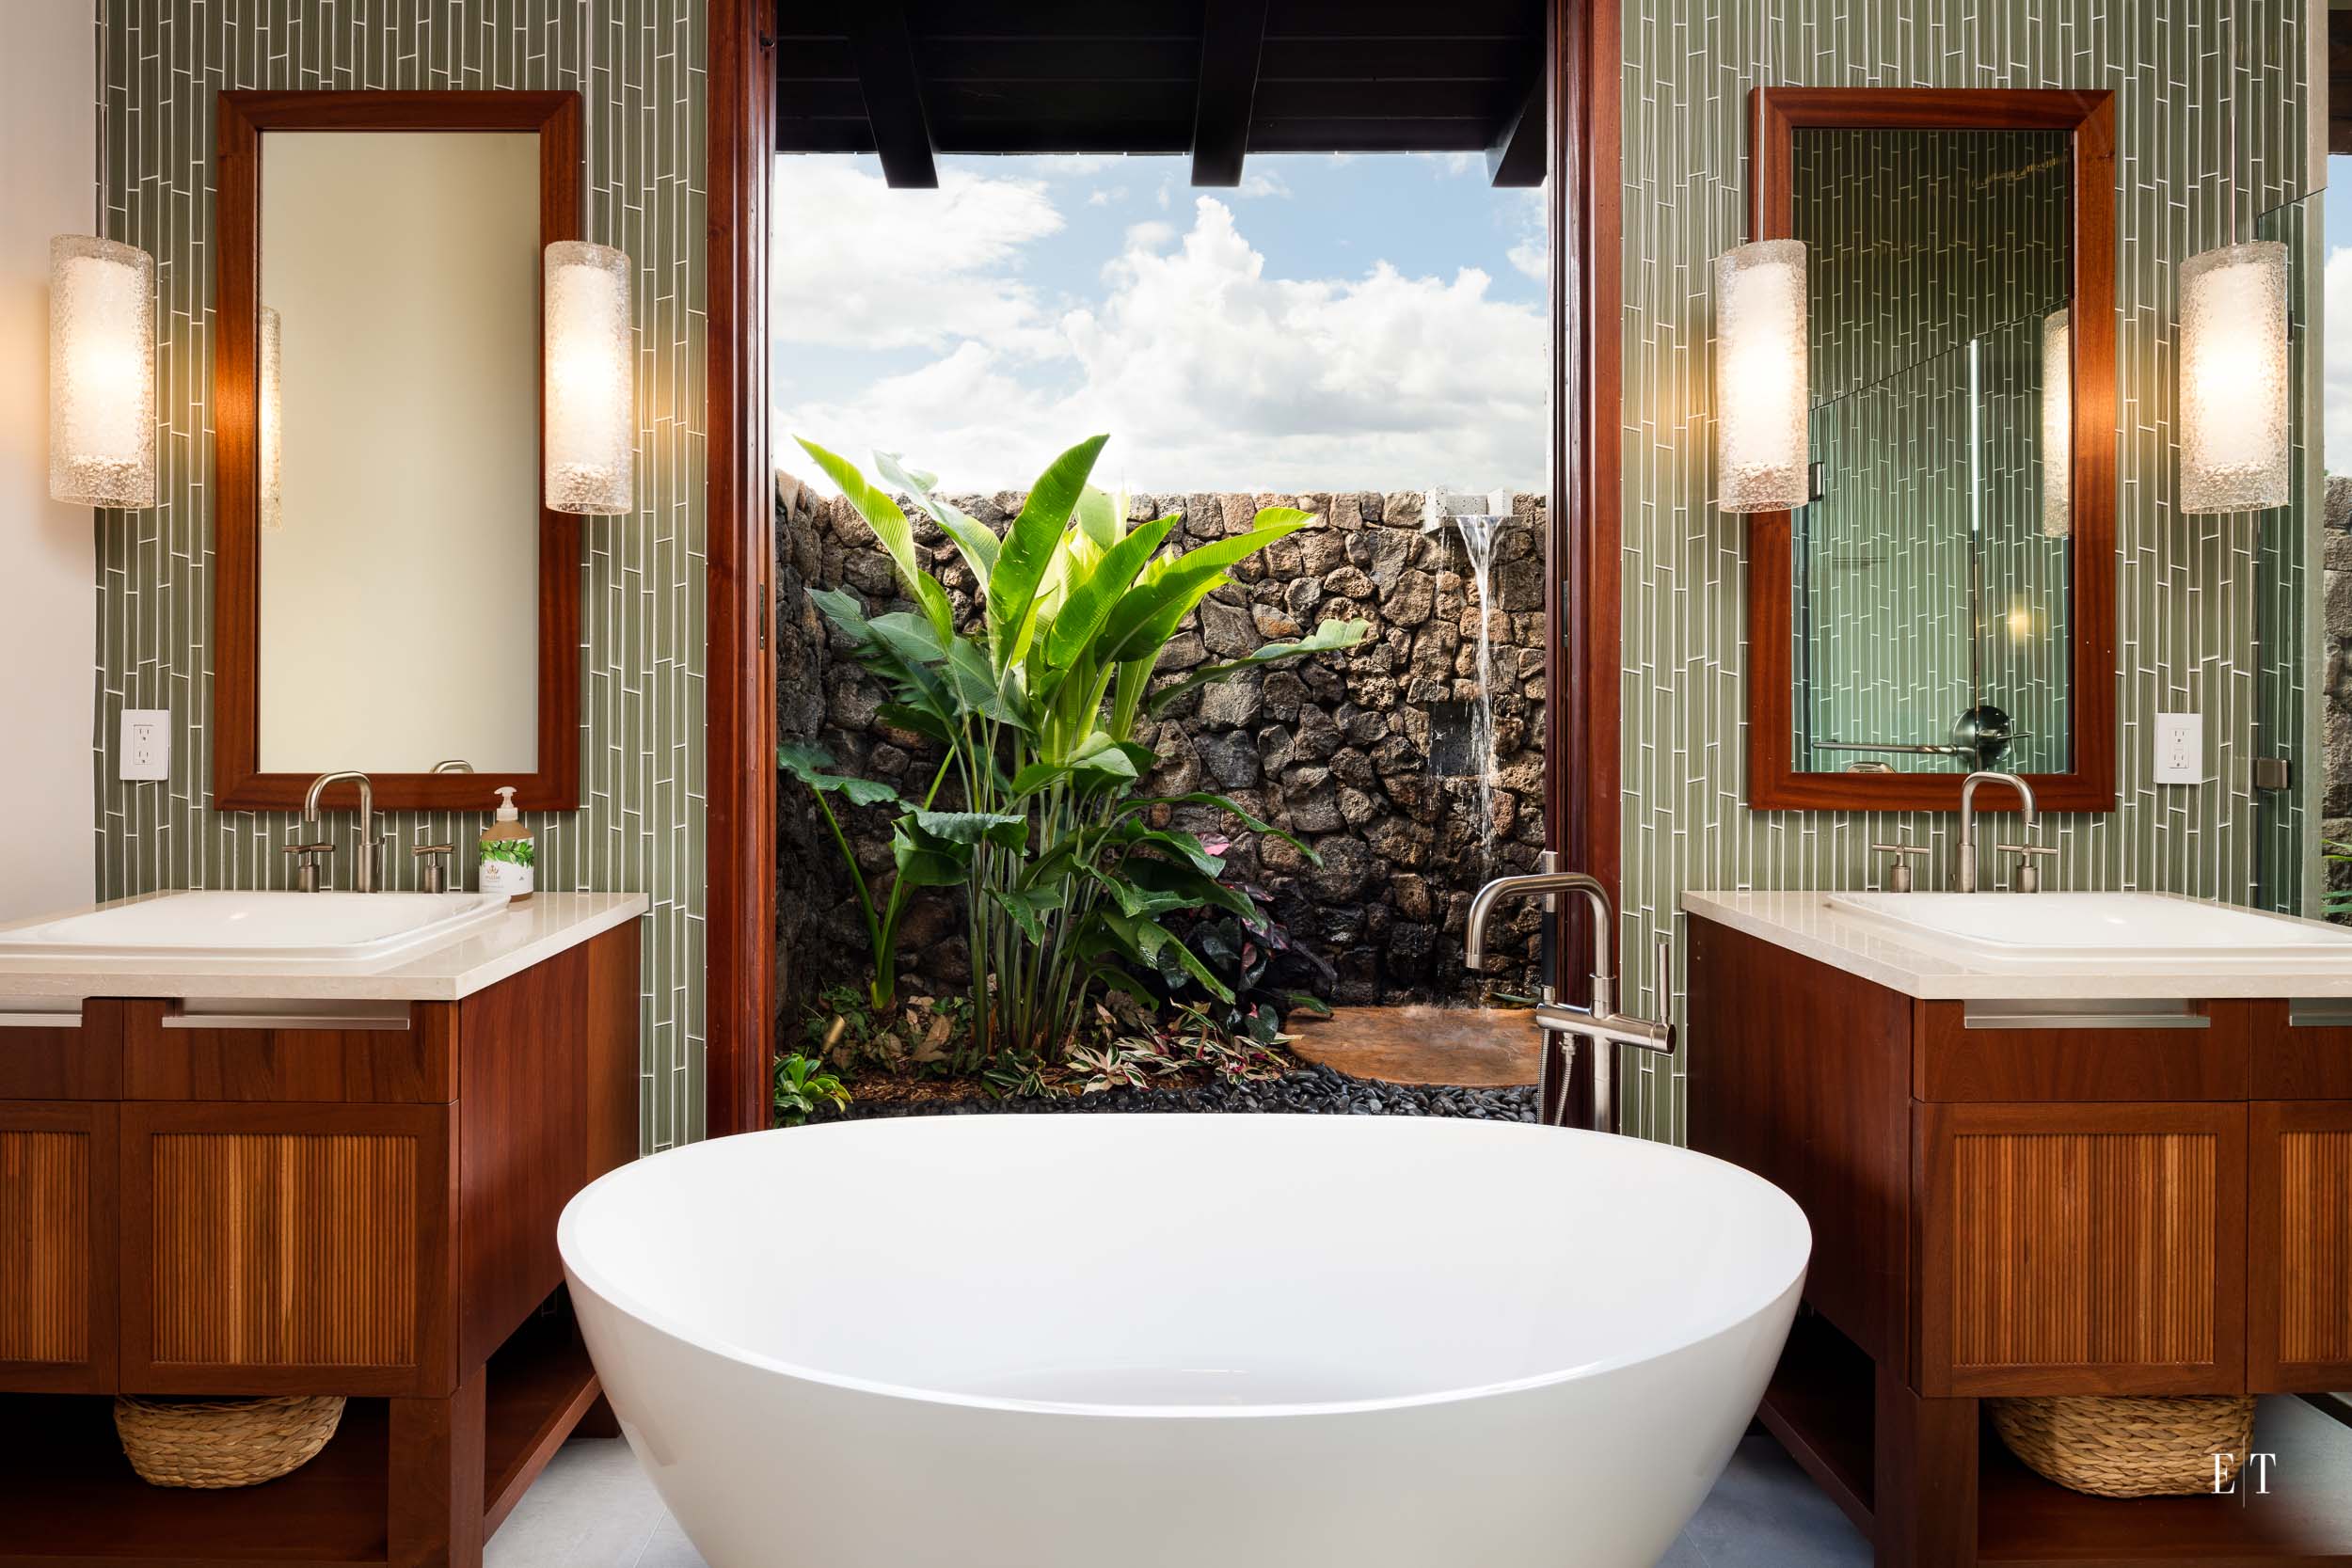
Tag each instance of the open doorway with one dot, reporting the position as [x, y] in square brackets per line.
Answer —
[1208, 109]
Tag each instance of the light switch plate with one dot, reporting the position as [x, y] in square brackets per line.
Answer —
[2180, 747]
[146, 749]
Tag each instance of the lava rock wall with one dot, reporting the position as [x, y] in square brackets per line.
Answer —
[1370, 754]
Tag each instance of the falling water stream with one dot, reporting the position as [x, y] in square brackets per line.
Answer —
[1478, 542]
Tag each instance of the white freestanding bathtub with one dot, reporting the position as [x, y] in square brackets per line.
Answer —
[1183, 1341]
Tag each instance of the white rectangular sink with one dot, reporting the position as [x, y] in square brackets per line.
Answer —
[2117, 929]
[293, 928]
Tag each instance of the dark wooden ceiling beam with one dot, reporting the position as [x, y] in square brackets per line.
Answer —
[893, 94]
[1515, 159]
[1232, 32]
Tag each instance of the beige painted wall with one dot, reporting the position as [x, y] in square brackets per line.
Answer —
[400, 601]
[48, 607]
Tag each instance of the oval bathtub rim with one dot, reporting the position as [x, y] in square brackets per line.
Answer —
[669, 1327]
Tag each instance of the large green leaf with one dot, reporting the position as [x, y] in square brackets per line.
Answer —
[1100, 518]
[809, 763]
[1157, 605]
[1144, 939]
[912, 638]
[880, 513]
[925, 860]
[971, 537]
[1090, 603]
[974, 827]
[1326, 637]
[1029, 550]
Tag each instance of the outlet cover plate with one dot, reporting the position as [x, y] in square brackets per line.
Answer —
[2180, 749]
[146, 749]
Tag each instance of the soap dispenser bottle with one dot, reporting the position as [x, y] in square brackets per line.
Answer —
[509, 865]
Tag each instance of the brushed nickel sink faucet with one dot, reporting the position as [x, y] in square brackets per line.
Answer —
[363, 874]
[1601, 1023]
[1964, 870]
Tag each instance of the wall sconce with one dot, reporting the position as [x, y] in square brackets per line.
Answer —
[272, 426]
[591, 380]
[2234, 441]
[101, 373]
[2058, 426]
[1763, 383]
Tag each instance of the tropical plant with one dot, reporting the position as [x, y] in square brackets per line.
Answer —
[1193, 1039]
[2337, 902]
[803, 1086]
[812, 765]
[1066, 879]
[1267, 974]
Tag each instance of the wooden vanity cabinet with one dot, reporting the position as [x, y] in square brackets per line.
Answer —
[2158, 1204]
[359, 1204]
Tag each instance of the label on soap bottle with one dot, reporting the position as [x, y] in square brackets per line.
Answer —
[507, 866]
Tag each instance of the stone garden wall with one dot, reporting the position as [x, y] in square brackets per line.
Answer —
[1367, 755]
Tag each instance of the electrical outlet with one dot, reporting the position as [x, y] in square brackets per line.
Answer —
[2180, 747]
[146, 749]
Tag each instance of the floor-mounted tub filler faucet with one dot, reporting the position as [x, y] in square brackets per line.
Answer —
[1601, 1022]
[363, 874]
[1964, 869]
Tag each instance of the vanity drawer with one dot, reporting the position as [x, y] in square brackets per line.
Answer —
[2302, 1050]
[287, 1248]
[61, 1055]
[2081, 1249]
[374, 1053]
[2063, 1053]
[2298, 1270]
[58, 1198]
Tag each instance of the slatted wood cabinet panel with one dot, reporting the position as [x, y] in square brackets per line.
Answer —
[283, 1249]
[2098, 1250]
[2299, 1208]
[56, 1245]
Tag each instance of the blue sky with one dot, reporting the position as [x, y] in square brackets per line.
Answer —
[1336, 322]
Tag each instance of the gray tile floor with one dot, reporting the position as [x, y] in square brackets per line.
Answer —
[595, 1509]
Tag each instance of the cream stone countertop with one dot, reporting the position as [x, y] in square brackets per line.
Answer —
[467, 961]
[1924, 964]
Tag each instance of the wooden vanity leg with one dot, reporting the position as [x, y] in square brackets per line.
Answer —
[1925, 1486]
[434, 1502]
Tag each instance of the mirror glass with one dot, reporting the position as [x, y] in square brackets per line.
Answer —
[1932, 571]
[399, 426]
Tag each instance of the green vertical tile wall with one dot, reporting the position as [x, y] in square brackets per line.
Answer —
[2188, 585]
[639, 67]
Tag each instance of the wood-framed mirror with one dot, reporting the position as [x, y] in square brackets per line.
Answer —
[390, 594]
[1946, 601]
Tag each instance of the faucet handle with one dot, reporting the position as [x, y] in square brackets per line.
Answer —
[307, 865]
[1898, 873]
[2029, 876]
[433, 867]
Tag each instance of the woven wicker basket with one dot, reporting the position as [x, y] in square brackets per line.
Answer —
[2129, 1448]
[211, 1443]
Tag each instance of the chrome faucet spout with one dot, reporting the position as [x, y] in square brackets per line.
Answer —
[1601, 1022]
[363, 876]
[1964, 870]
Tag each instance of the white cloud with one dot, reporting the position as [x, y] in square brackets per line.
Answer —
[1527, 257]
[1210, 374]
[2337, 454]
[1262, 183]
[856, 264]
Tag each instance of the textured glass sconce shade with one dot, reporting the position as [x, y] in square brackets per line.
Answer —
[2234, 446]
[1762, 378]
[2058, 426]
[273, 427]
[591, 380]
[101, 373]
